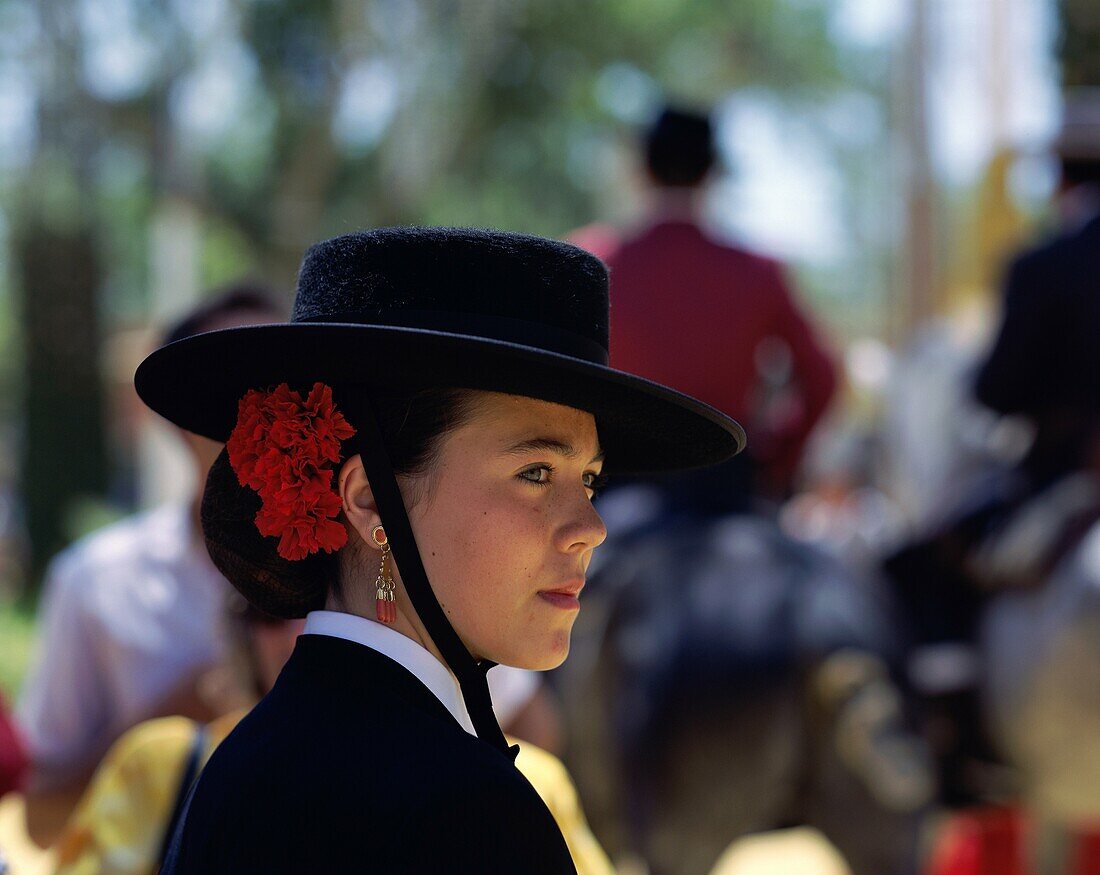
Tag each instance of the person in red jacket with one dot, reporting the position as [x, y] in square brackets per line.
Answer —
[13, 757]
[709, 318]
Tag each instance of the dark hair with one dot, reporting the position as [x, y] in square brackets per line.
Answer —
[413, 427]
[241, 620]
[679, 147]
[245, 297]
[1080, 171]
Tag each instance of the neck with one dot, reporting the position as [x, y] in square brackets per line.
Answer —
[360, 602]
[1079, 204]
[671, 203]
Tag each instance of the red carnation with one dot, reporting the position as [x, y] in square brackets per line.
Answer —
[284, 448]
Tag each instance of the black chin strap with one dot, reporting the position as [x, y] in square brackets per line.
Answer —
[391, 507]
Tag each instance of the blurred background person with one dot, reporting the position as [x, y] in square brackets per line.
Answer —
[130, 620]
[1043, 363]
[125, 817]
[1003, 595]
[13, 766]
[13, 758]
[710, 317]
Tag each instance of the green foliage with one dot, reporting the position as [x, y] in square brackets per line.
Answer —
[343, 114]
[226, 255]
[17, 632]
[280, 122]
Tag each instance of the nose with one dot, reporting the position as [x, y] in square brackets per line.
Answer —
[584, 529]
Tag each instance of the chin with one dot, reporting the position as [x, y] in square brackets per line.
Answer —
[542, 659]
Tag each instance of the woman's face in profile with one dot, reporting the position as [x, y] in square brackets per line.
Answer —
[506, 527]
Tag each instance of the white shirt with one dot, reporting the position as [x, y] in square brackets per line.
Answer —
[128, 613]
[509, 687]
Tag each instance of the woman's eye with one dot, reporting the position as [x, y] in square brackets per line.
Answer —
[536, 475]
[541, 476]
[595, 482]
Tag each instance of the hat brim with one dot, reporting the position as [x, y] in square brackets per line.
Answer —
[644, 427]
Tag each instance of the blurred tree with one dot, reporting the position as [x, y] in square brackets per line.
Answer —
[64, 453]
[58, 273]
[169, 145]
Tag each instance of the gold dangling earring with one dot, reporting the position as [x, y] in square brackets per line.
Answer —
[385, 607]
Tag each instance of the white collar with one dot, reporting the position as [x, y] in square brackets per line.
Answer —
[404, 651]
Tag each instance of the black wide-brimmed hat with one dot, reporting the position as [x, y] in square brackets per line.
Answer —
[410, 308]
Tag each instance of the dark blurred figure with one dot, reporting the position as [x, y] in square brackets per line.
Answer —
[1044, 364]
[726, 680]
[709, 318]
[130, 620]
[1021, 533]
[13, 759]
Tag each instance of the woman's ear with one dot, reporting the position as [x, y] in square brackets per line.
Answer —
[358, 499]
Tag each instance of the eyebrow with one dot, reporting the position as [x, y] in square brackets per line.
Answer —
[548, 444]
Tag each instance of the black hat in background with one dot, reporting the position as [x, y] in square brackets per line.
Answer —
[1078, 141]
[679, 147]
[224, 303]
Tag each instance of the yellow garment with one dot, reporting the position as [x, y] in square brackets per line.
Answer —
[22, 855]
[118, 827]
[119, 824]
[549, 777]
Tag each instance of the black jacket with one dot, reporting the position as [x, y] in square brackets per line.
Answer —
[1047, 352]
[350, 764]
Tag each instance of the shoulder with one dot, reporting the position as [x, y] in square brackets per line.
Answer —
[1061, 252]
[1037, 257]
[142, 537]
[425, 798]
[153, 745]
[491, 820]
[541, 767]
[599, 238]
[137, 563]
[746, 263]
[140, 772]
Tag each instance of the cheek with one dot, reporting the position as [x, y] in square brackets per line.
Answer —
[484, 557]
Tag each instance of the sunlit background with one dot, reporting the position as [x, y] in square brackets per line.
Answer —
[893, 152]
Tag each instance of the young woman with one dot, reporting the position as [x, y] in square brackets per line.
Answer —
[410, 462]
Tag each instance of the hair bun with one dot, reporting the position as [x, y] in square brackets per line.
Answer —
[277, 586]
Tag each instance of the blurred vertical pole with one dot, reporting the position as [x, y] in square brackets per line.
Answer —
[175, 258]
[175, 248]
[1001, 225]
[994, 226]
[920, 259]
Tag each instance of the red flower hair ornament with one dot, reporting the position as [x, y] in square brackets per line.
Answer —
[285, 448]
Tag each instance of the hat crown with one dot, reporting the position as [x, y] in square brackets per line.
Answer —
[498, 285]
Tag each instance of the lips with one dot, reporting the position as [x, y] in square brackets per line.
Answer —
[570, 588]
[565, 596]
